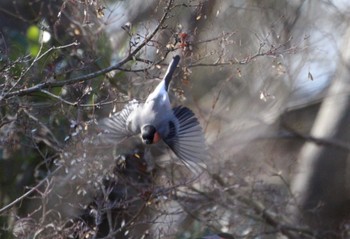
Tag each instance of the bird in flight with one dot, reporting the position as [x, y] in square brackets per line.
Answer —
[156, 120]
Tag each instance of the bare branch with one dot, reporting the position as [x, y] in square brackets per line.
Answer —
[272, 219]
[35, 188]
[317, 140]
[98, 104]
[37, 58]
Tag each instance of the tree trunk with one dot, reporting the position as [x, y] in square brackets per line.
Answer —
[322, 180]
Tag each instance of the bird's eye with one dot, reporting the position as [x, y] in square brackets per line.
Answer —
[147, 134]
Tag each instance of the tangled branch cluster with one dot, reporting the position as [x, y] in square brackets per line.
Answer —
[50, 103]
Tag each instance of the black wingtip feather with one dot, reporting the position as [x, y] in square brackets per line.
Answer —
[188, 144]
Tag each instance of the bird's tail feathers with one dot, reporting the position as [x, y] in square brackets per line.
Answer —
[169, 73]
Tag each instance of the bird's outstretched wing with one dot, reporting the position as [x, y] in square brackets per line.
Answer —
[187, 141]
[115, 128]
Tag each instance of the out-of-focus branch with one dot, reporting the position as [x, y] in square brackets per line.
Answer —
[76, 103]
[30, 191]
[272, 219]
[318, 140]
[113, 233]
[130, 56]
[273, 51]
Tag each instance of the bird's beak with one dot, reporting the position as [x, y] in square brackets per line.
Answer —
[147, 141]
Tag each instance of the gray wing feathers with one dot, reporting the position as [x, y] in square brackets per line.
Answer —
[115, 128]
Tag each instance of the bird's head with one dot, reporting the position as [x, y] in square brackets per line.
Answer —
[149, 134]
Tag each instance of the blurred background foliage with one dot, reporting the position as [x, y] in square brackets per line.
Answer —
[254, 72]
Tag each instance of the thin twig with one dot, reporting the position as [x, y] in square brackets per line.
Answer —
[58, 98]
[112, 234]
[37, 58]
[17, 200]
[98, 104]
